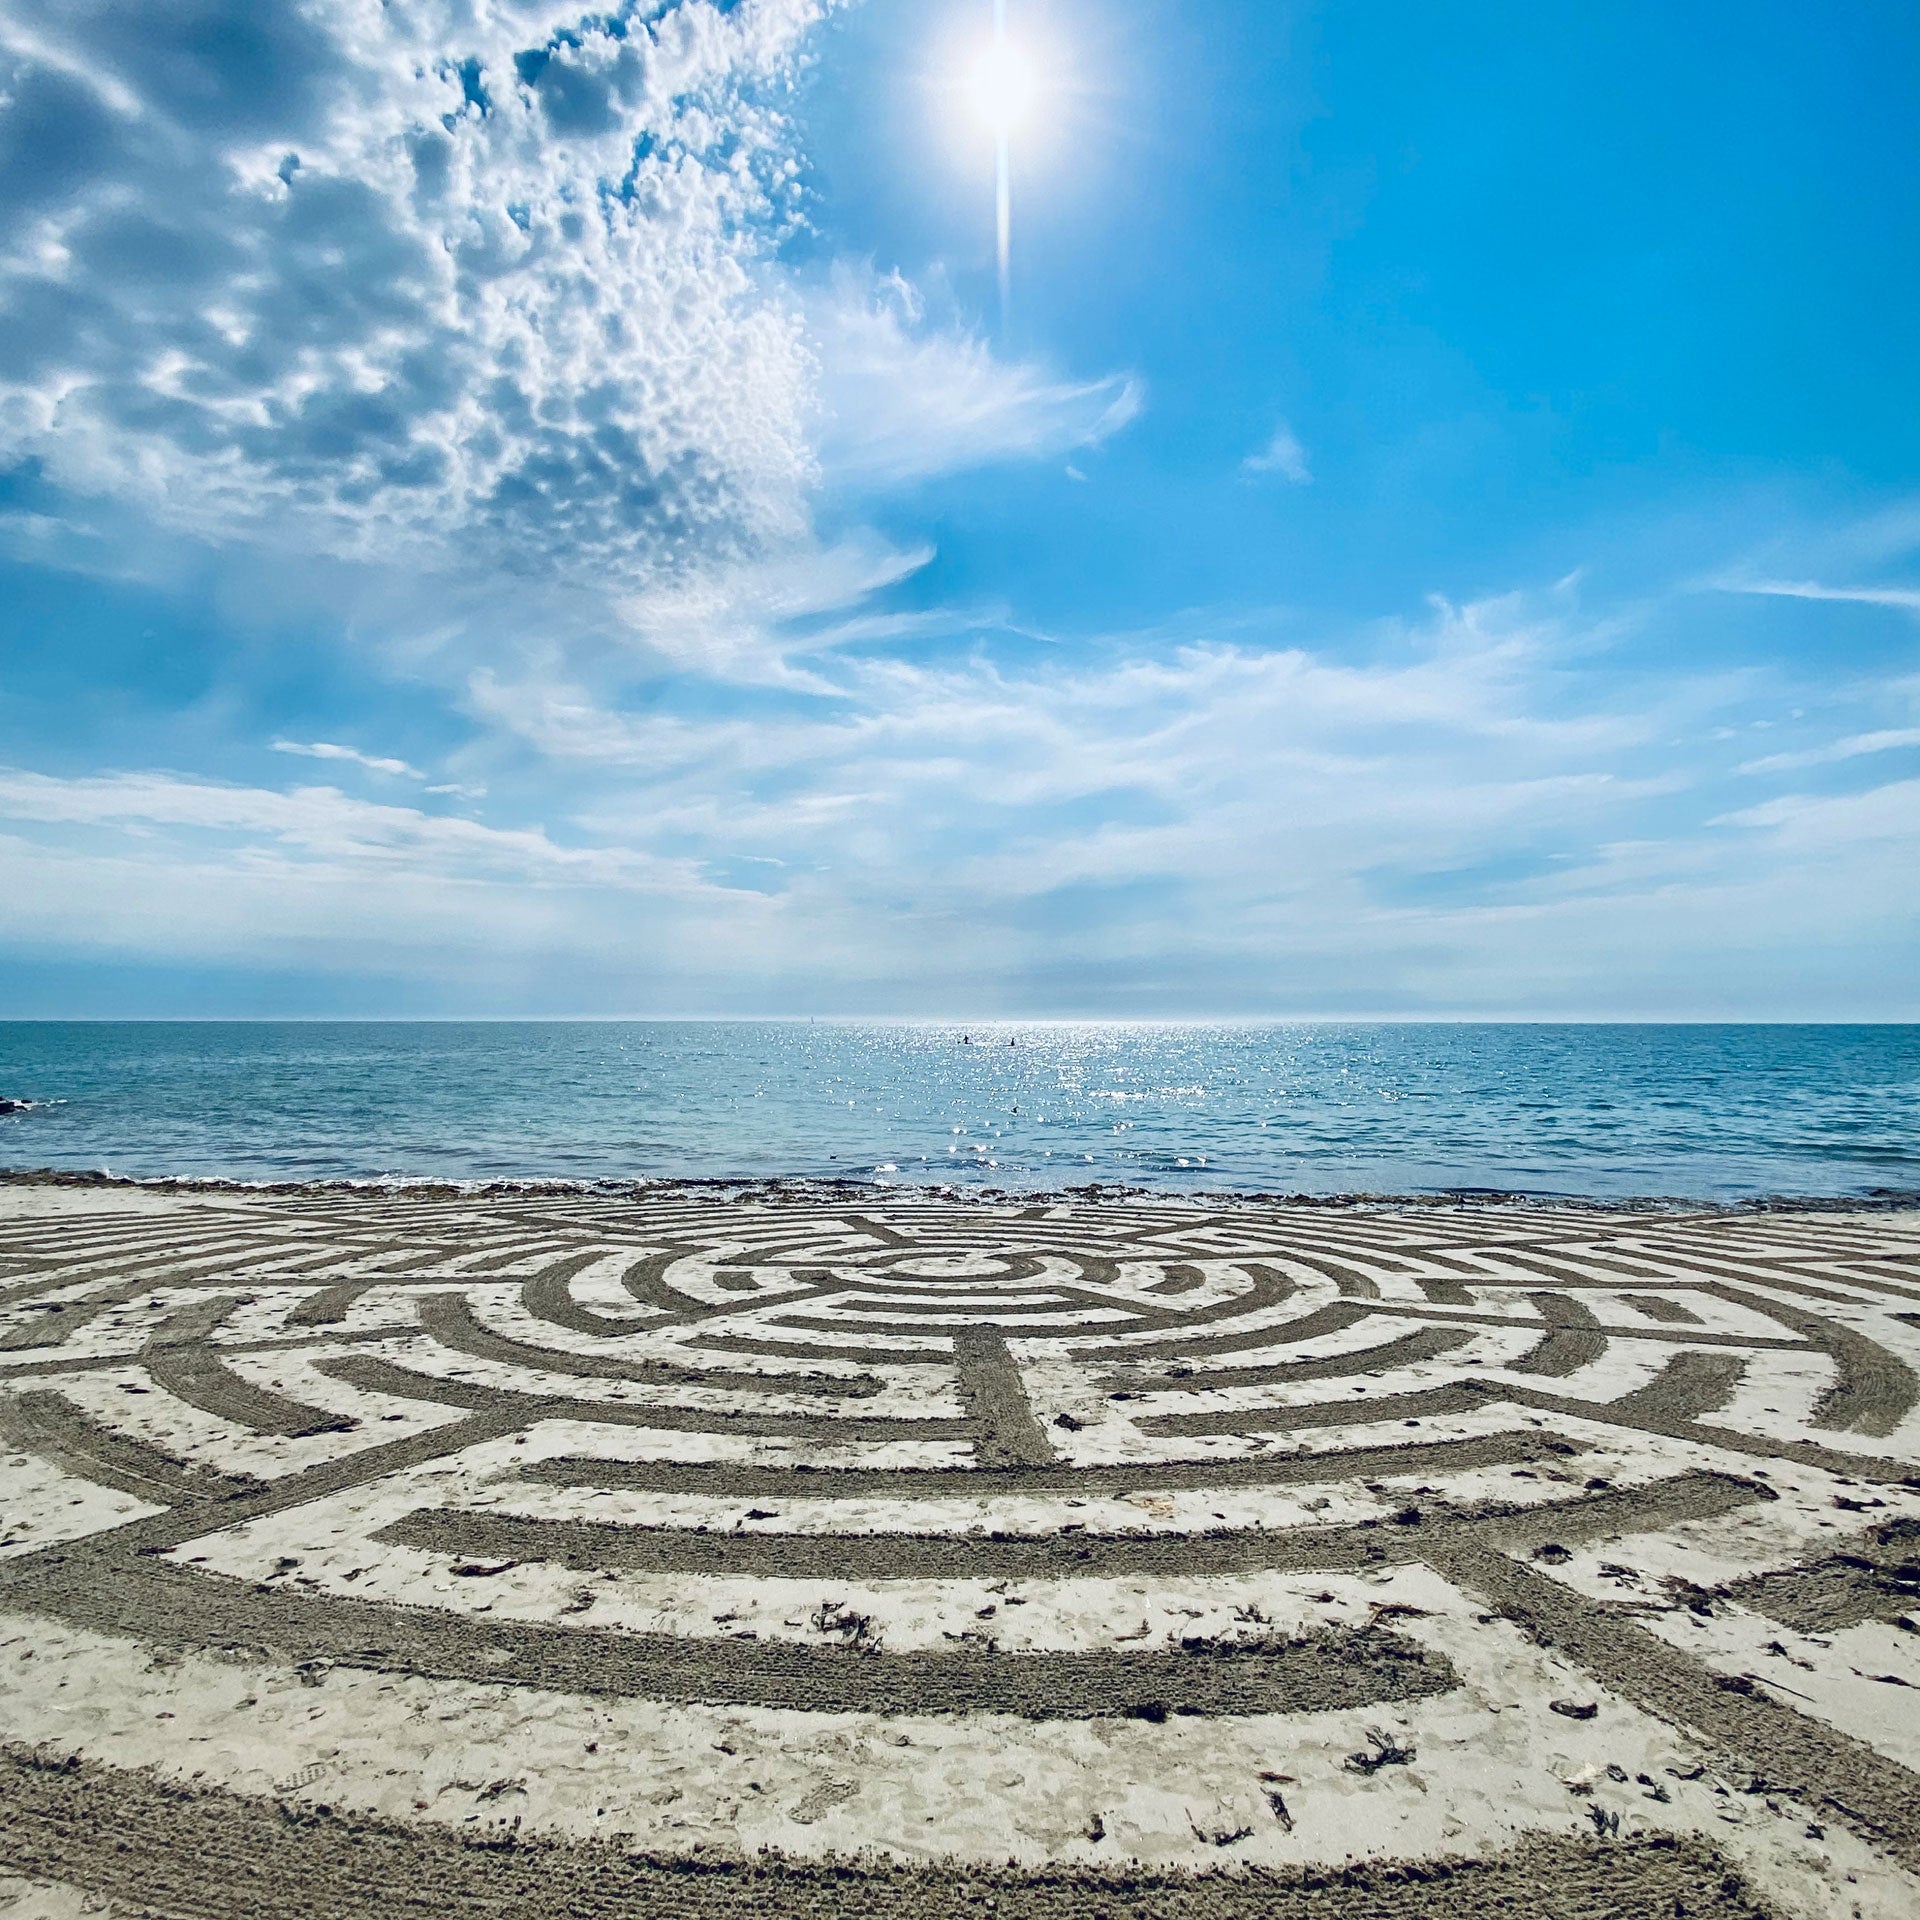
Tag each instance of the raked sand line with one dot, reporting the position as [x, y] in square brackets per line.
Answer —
[149, 1847]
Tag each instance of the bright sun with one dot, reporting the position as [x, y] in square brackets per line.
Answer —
[1001, 86]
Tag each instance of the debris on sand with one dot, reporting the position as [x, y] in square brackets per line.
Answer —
[1382, 1750]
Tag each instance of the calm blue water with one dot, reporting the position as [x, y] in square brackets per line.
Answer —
[1702, 1112]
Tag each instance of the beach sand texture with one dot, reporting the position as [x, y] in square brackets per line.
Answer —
[558, 1554]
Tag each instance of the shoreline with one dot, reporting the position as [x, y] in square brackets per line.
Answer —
[807, 1189]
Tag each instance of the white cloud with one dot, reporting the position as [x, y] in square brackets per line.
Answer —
[1283, 454]
[1886, 740]
[904, 399]
[1441, 813]
[448, 280]
[323, 824]
[749, 621]
[391, 277]
[1458, 820]
[1246, 773]
[1907, 599]
[482, 298]
[373, 762]
[1810, 823]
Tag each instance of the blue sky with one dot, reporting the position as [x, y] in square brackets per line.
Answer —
[510, 510]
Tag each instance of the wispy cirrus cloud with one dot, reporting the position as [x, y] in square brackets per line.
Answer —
[160, 867]
[1817, 823]
[1457, 813]
[1885, 740]
[1906, 599]
[325, 824]
[1245, 772]
[331, 750]
[904, 399]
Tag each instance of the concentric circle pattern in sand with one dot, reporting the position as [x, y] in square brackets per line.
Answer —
[550, 1554]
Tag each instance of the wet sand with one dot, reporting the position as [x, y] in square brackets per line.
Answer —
[543, 1552]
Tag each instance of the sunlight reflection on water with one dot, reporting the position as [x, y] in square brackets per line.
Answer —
[1709, 1112]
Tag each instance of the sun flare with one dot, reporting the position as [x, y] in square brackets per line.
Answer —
[1002, 86]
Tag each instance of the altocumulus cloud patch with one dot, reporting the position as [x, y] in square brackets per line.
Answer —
[392, 278]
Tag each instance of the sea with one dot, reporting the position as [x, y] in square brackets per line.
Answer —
[1595, 1112]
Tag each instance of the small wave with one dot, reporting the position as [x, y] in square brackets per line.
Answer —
[1844, 1152]
[8, 1106]
[863, 1188]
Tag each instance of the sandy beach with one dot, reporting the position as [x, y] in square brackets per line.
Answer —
[559, 1553]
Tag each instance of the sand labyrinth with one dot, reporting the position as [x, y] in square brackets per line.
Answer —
[552, 1554]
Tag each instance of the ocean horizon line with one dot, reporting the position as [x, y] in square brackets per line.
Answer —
[961, 1020]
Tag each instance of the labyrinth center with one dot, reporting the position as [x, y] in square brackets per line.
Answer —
[544, 1552]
